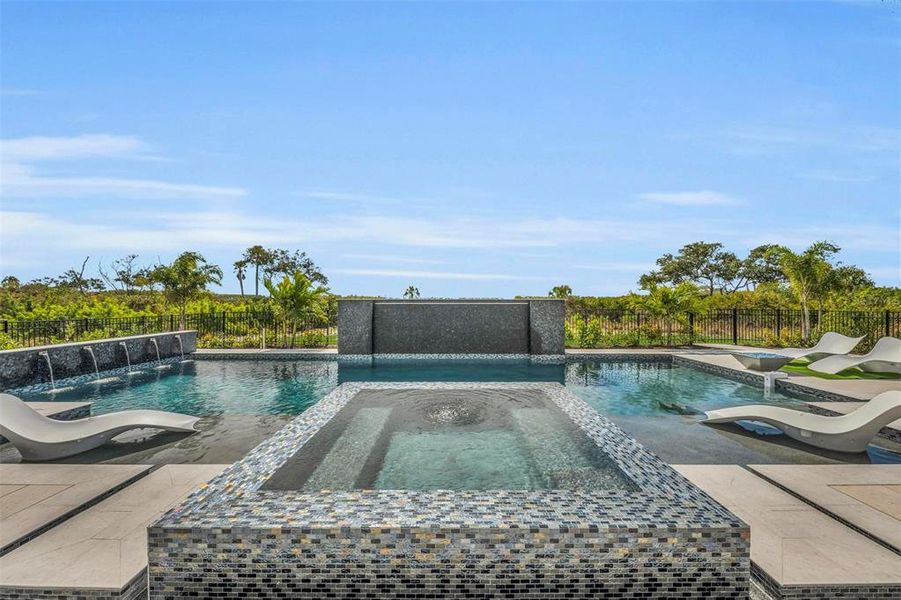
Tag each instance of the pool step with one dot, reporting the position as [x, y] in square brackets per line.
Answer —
[340, 467]
[557, 456]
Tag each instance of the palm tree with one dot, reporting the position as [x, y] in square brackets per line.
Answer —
[186, 279]
[411, 293]
[259, 257]
[240, 267]
[298, 300]
[668, 302]
[808, 274]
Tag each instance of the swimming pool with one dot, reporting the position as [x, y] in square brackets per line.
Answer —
[209, 387]
[242, 402]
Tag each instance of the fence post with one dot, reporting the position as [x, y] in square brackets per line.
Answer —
[888, 323]
[778, 323]
[735, 326]
[5, 326]
[691, 329]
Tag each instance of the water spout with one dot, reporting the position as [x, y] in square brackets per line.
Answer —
[93, 358]
[46, 356]
[127, 357]
[181, 348]
[159, 361]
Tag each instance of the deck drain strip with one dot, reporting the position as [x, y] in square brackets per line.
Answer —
[75, 511]
[827, 512]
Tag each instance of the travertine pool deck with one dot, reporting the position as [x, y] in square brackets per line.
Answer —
[102, 551]
[797, 550]
[33, 497]
[868, 497]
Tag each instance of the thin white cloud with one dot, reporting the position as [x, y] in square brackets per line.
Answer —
[700, 198]
[81, 146]
[393, 258]
[352, 197]
[20, 178]
[438, 275]
[616, 266]
[765, 139]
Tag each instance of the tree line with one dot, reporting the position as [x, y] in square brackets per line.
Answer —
[702, 270]
[297, 287]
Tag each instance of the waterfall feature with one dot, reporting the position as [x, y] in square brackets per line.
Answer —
[46, 356]
[127, 357]
[93, 358]
[159, 361]
[181, 347]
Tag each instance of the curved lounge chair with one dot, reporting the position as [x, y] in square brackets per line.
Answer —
[847, 433]
[38, 438]
[831, 343]
[885, 357]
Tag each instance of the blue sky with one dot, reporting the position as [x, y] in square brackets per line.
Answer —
[469, 149]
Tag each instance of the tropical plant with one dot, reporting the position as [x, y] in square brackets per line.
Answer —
[808, 273]
[669, 303]
[411, 293]
[560, 291]
[298, 300]
[186, 279]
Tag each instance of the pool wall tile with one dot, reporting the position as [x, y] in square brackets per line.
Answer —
[231, 540]
[26, 367]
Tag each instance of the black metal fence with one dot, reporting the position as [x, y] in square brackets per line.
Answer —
[262, 329]
[611, 328]
[585, 328]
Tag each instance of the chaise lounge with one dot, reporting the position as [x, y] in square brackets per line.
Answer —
[38, 438]
[831, 343]
[846, 433]
[885, 357]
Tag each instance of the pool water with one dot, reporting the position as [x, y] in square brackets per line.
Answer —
[243, 402]
[208, 387]
[475, 439]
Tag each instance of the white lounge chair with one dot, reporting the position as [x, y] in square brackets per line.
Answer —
[885, 357]
[38, 438]
[846, 433]
[831, 343]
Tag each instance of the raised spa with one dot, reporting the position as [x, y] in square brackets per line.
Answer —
[484, 439]
[449, 490]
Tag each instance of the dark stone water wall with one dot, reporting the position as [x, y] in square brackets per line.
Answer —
[451, 326]
[27, 366]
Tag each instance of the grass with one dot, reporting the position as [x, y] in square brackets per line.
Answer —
[801, 368]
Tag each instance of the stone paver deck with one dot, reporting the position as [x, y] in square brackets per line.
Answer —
[796, 545]
[104, 547]
[33, 497]
[866, 496]
[861, 389]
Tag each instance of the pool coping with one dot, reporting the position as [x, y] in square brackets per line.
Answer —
[234, 499]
